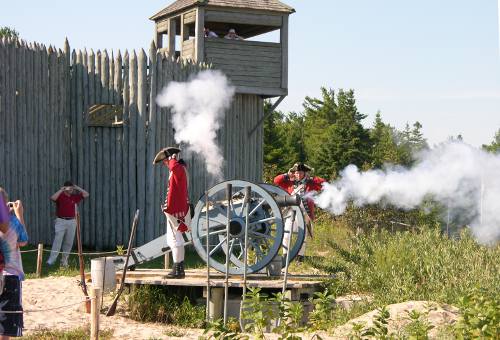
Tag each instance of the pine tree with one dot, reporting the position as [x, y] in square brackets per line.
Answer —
[494, 147]
[384, 147]
[347, 141]
[319, 114]
[8, 32]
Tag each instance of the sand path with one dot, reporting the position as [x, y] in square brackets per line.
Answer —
[52, 292]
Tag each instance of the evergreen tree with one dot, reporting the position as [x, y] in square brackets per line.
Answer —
[384, 147]
[347, 141]
[417, 140]
[273, 144]
[8, 32]
[319, 114]
[495, 144]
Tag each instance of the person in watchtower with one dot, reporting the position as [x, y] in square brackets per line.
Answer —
[176, 207]
[299, 182]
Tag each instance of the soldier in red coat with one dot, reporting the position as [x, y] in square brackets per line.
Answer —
[298, 182]
[176, 207]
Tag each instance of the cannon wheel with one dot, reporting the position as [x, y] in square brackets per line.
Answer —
[265, 231]
[298, 234]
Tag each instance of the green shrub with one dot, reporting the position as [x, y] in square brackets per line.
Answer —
[480, 315]
[394, 267]
[161, 304]
[81, 333]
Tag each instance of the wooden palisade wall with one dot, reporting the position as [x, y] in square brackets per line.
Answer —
[44, 138]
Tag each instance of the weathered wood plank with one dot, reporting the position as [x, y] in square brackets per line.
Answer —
[158, 145]
[141, 143]
[151, 147]
[242, 44]
[105, 164]
[4, 61]
[200, 34]
[85, 206]
[127, 207]
[284, 52]
[79, 117]
[118, 83]
[35, 228]
[46, 190]
[189, 17]
[243, 18]
[111, 157]
[132, 146]
[92, 189]
[99, 217]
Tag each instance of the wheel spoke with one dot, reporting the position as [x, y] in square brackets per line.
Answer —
[256, 207]
[217, 232]
[231, 244]
[257, 249]
[262, 235]
[218, 246]
[214, 223]
[263, 220]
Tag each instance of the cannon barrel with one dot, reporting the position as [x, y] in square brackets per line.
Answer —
[287, 201]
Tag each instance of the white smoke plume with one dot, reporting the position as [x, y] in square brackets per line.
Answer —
[461, 177]
[198, 108]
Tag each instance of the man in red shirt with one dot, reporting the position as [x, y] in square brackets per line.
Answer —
[298, 182]
[176, 207]
[66, 199]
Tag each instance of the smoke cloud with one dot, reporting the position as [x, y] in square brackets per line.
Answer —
[198, 108]
[461, 177]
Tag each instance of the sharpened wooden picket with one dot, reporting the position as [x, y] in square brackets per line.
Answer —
[46, 139]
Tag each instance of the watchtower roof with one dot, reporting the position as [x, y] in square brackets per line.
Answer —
[264, 5]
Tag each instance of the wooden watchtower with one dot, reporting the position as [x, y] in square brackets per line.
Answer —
[254, 67]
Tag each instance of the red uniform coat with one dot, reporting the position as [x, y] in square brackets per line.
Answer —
[311, 184]
[177, 200]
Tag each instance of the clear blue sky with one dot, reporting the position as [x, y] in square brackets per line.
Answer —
[437, 62]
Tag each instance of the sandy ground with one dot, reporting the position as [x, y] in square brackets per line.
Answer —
[43, 297]
[52, 292]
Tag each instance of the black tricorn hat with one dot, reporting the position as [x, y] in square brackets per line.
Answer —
[300, 167]
[165, 153]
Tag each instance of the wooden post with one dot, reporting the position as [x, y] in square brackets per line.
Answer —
[95, 295]
[140, 143]
[167, 261]
[284, 52]
[171, 37]
[200, 35]
[216, 303]
[39, 260]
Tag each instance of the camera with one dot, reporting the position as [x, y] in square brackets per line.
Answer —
[10, 204]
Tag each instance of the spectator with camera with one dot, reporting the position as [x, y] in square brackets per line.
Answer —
[11, 236]
[66, 199]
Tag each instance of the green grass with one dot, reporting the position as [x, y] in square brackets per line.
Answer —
[393, 267]
[81, 333]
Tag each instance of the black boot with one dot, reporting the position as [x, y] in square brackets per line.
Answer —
[173, 273]
[177, 271]
[180, 273]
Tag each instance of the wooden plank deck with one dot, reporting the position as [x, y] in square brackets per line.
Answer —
[198, 278]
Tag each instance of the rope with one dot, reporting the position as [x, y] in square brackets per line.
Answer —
[44, 310]
[71, 253]
[28, 251]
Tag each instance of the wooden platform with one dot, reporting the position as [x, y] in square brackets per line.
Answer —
[198, 278]
[299, 287]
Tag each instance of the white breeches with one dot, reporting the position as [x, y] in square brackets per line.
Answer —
[286, 236]
[175, 240]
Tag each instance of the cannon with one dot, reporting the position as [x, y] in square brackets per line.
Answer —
[267, 208]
